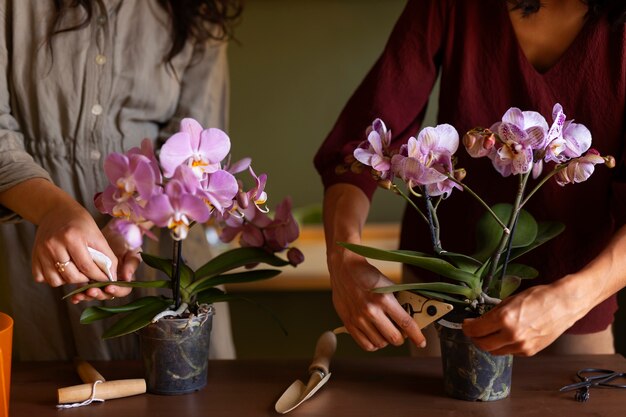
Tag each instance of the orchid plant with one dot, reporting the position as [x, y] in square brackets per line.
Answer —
[522, 144]
[190, 183]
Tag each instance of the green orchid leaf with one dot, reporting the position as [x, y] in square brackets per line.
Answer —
[546, 231]
[133, 284]
[234, 278]
[213, 295]
[441, 297]
[236, 258]
[165, 265]
[464, 262]
[489, 232]
[186, 276]
[156, 262]
[91, 314]
[509, 284]
[137, 319]
[442, 287]
[519, 270]
[428, 262]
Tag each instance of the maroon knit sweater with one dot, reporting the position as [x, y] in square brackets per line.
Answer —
[483, 73]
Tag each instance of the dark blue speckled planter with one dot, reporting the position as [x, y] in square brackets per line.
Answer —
[470, 373]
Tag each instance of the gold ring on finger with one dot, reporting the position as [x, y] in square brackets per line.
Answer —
[60, 266]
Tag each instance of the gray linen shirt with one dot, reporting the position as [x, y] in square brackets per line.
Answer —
[64, 106]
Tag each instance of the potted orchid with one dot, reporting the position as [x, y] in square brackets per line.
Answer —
[522, 144]
[189, 183]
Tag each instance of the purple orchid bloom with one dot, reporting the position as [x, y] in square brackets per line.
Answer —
[521, 134]
[147, 150]
[130, 232]
[176, 208]
[374, 151]
[132, 179]
[257, 194]
[202, 150]
[577, 139]
[283, 229]
[555, 141]
[219, 189]
[579, 169]
[427, 160]
[248, 225]
[238, 166]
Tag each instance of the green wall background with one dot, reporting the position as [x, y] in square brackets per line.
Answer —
[296, 64]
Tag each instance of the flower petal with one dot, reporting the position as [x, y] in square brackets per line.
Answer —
[175, 151]
[214, 144]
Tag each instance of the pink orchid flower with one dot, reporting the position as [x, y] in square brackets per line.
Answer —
[374, 151]
[283, 229]
[133, 181]
[202, 150]
[219, 189]
[427, 160]
[176, 208]
[520, 133]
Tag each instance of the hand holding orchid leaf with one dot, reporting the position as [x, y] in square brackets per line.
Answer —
[190, 183]
[423, 172]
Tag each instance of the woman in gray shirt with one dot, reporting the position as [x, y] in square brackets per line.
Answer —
[79, 80]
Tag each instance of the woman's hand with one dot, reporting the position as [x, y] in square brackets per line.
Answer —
[525, 323]
[128, 261]
[374, 320]
[60, 254]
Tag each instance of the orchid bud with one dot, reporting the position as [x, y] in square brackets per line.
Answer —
[469, 139]
[242, 199]
[295, 256]
[348, 159]
[386, 184]
[356, 167]
[609, 161]
[341, 169]
[459, 174]
[479, 142]
[489, 142]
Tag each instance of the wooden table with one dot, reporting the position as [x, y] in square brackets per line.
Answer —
[376, 387]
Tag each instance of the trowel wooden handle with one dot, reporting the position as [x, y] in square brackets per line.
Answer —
[87, 373]
[104, 391]
[324, 350]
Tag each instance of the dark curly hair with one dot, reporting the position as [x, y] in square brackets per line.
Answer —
[616, 8]
[199, 20]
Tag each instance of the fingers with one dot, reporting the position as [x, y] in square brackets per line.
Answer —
[383, 324]
[406, 325]
[128, 265]
[85, 264]
[481, 327]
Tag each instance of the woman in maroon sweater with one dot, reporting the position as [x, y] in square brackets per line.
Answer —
[493, 55]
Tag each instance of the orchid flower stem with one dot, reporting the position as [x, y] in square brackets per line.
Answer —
[543, 181]
[176, 261]
[433, 222]
[411, 202]
[506, 237]
[480, 200]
